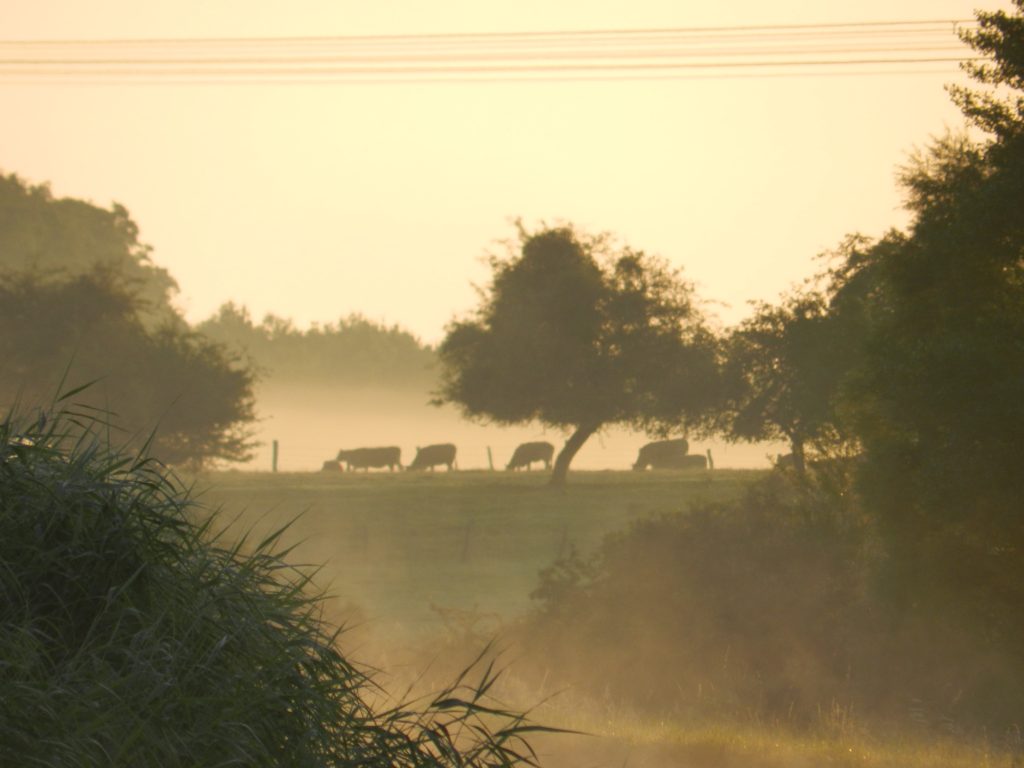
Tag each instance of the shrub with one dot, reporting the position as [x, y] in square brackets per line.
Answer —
[772, 607]
[131, 635]
[728, 609]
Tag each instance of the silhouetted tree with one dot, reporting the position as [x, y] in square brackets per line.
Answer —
[44, 235]
[79, 295]
[784, 367]
[937, 400]
[578, 335]
[167, 381]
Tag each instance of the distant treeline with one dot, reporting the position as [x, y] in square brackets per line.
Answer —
[354, 351]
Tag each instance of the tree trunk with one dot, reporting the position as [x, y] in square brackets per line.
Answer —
[569, 450]
[799, 462]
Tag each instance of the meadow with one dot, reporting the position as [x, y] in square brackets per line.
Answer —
[409, 552]
[424, 568]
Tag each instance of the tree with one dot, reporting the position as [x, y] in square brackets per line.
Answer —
[82, 300]
[167, 382]
[45, 236]
[578, 335]
[936, 401]
[998, 39]
[788, 366]
[784, 366]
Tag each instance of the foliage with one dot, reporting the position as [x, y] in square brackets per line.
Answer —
[936, 400]
[132, 636]
[998, 39]
[784, 369]
[45, 236]
[578, 335]
[352, 352]
[166, 384]
[919, 363]
[761, 608]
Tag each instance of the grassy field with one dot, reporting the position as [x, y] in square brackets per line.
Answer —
[408, 555]
[407, 550]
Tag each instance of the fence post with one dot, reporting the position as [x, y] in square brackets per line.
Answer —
[273, 458]
[490, 458]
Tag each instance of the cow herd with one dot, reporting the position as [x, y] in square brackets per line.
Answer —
[663, 454]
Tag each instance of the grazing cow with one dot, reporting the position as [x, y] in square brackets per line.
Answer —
[431, 456]
[527, 453]
[664, 454]
[364, 458]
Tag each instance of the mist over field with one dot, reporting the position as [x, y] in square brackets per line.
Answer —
[312, 422]
[187, 577]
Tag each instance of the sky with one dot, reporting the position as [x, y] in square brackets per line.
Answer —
[314, 201]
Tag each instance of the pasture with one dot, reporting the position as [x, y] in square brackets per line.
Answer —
[404, 550]
[409, 555]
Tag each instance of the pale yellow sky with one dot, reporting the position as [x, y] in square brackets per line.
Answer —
[314, 201]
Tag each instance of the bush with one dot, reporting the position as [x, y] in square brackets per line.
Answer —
[725, 609]
[130, 635]
[771, 607]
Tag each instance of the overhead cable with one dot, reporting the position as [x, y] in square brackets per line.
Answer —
[655, 54]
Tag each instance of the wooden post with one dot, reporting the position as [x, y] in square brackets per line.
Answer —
[490, 458]
[273, 458]
[711, 461]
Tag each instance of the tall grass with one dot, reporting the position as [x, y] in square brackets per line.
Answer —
[132, 635]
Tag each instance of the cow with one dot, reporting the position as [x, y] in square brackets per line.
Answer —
[364, 458]
[527, 453]
[664, 454]
[431, 456]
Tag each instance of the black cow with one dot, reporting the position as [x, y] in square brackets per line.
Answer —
[527, 453]
[431, 456]
[664, 454]
[364, 458]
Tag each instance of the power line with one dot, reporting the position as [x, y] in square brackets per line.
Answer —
[949, 24]
[614, 54]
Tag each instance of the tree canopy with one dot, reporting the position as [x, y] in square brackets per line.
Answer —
[168, 382]
[577, 334]
[941, 386]
[82, 302]
[46, 236]
[920, 358]
[783, 369]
